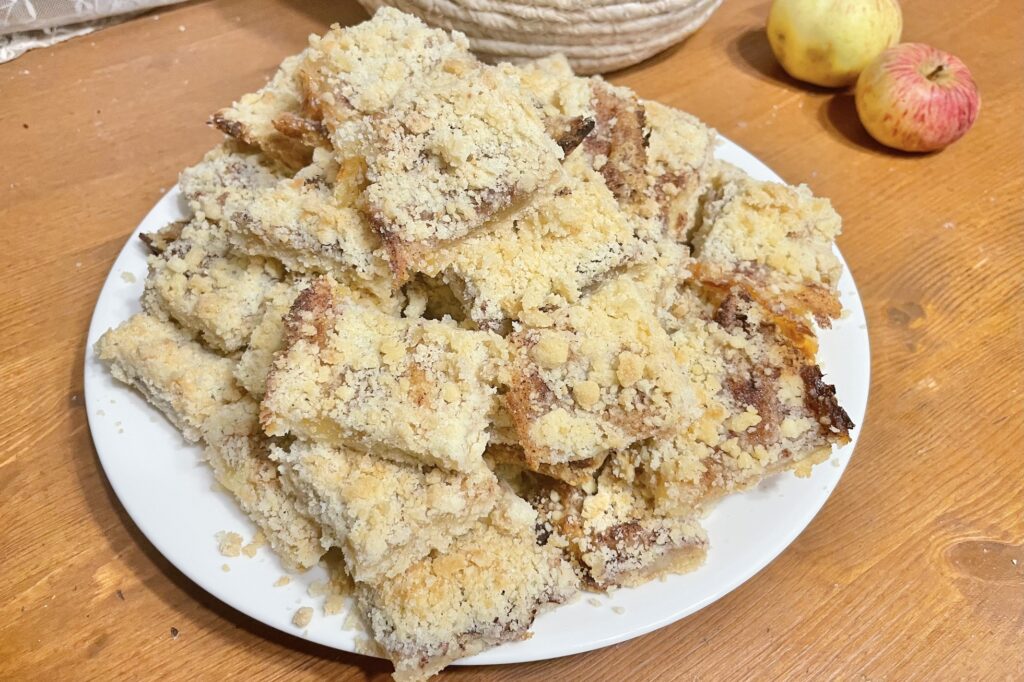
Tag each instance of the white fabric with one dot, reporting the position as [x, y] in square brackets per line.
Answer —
[28, 24]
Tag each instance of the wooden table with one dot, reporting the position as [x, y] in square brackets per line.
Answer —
[915, 567]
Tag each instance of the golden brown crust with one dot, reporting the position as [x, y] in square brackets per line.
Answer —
[764, 405]
[309, 131]
[612, 534]
[571, 133]
[820, 399]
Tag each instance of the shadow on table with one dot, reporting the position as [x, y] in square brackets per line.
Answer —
[107, 511]
[839, 116]
[751, 52]
[837, 113]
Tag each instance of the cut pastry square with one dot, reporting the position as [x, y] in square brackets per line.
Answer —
[384, 515]
[351, 375]
[612, 532]
[601, 376]
[544, 257]
[680, 163]
[191, 385]
[195, 388]
[272, 118]
[773, 240]
[211, 292]
[485, 590]
[466, 146]
[309, 222]
[351, 72]
[765, 407]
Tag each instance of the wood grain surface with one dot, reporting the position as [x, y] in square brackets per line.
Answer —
[914, 568]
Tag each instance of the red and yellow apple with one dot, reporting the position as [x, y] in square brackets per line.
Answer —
[829, 42]
[917, 98]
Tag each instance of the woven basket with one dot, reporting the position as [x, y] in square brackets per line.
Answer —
[596, 35]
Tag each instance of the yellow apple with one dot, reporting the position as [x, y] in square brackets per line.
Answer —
[829, 42]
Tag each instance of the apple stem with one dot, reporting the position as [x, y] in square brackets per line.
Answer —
[935, 72]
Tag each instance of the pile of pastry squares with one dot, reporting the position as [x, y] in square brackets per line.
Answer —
[496, 333]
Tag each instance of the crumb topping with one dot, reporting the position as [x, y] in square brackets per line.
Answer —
[353, 376]
[252, 119]
[612, 351]
[544, 257]
[466, 146]
[229, 544]
[485, 590]
[773, 240]
[383, 515]
[206, 289]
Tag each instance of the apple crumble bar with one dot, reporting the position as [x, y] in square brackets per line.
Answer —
[763, 406]
[384, 515]
[612, 533]
[545, 256]
[191, 385]
[207, 290]
[486, 589]
[353, 376]
[309, 221]
[467, 146]
[773, 240]
[356, 71]
[196, 389]
[593, 377]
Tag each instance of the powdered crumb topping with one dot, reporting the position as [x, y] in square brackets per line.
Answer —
[384, 515]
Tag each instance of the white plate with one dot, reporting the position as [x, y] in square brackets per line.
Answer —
[168, 492]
